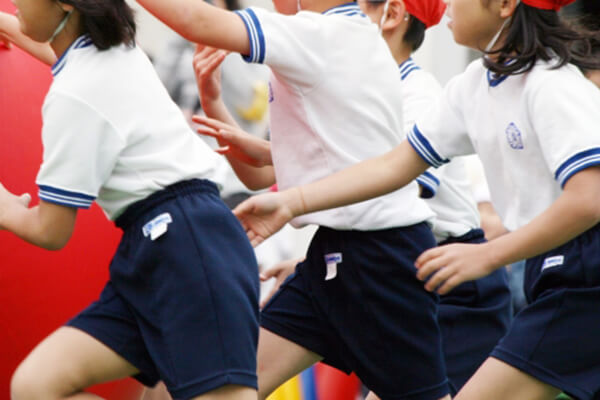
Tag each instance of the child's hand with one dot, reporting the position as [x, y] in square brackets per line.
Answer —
[5, 42]
[280, 272]
[8, 201]
[263, 215]
[208, 75]
[235, 142]
[450, 265]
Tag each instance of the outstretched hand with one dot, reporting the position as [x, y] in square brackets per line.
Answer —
[207, 61]
[280, 272]
[263, 215]
[235, 142]
[450, 265]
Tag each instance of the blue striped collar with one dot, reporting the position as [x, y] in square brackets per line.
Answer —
[407, 67]
[80, 42]
[348, 9]
[495, 79]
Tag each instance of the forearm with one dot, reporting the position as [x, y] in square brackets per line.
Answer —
[255, 178]
[368, 179]
[200, 22]
[36, 227]
[11, 30]
[574, 212]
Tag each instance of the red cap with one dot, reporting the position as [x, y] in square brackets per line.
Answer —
[429, 12]
[548, 4]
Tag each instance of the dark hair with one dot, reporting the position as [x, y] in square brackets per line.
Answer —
[108, 22]
[415, 34]
[536, 34]
[232, 5]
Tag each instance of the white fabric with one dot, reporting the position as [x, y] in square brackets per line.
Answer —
[111, 132]
[533, 131]
[335, 101]
[447, 188]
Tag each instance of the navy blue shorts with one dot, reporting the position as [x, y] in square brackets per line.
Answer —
[352, 319]
[182, 308]
[556, 338]
[473, 318]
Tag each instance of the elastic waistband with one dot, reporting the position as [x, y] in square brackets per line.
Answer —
[476, 234]
[139, 208]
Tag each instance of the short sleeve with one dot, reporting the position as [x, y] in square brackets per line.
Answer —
[80, 151]
[429, 183]
[292, 45]
[565, 112]
[441, 133]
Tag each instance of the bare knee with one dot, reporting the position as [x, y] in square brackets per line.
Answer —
[24, 385]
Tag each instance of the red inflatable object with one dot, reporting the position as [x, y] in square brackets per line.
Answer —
[334, 384]
[39, 289]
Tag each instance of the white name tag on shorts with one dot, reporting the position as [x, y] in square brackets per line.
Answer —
[332, 260]
[553, 262]
[157, 227]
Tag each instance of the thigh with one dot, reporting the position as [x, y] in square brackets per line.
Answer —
[229, 392]
[279, 360]
[68, 361]
[496, 380]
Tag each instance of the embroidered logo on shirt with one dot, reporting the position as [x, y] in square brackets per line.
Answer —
[157, 227]
[332, 260]
[553, 262]
[513, 135]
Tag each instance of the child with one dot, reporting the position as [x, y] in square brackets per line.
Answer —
[181, 304]
[474, 316]
[335, 100]
[532, 117]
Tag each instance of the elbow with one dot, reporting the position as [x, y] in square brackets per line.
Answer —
[52, 240]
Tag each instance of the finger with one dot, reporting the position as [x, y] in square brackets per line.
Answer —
[438, 278]
[256, 241]
[206, 131]
[242, 209]
[223, 150]
[431, 267]
[25, 199]
[264, 302]
[213, 62]
[450, 284]
[428, 255]
[210, 122]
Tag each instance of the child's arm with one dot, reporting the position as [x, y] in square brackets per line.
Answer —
[265, 214]
[10, 31]
[47, 225]
[200, 22]
[249, 156]
[574, 212]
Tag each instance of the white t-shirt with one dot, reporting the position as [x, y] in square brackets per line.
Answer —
[112, 134]
[335, 100]
[532, 131]
[447, 189]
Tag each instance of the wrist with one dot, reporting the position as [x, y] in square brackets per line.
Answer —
[213, 108]
[294, 200]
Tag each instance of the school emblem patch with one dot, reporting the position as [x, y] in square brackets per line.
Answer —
[513, 135]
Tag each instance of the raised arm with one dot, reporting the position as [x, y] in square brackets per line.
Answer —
[47, 225]
[201, 22]
[265, 214]
[249, 156]
[10, 31]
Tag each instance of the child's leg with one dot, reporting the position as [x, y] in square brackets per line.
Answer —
[498, 380]
[229, 392]
[64, 364]
[278, 360]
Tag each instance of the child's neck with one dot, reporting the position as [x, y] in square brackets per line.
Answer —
[67, 36]
[400, 50]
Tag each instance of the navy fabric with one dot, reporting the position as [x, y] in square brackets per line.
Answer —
[182, 308]
[374, 317]
[555, 337]
[473, 318]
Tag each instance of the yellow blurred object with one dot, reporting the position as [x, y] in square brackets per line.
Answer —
[288, 391]
[258, 107]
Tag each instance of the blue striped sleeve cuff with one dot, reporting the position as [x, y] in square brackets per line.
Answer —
[429, 185]
[65, 197]
[255, 36]
[585, 159]
[424, 148]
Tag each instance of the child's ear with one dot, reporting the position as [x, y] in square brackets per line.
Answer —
[508, 7]
[396, 15]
